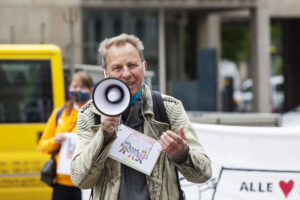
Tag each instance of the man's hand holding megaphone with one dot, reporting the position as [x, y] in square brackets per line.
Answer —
[111, 97]
[109, 124]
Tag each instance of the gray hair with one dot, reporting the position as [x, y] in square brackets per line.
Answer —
[119, 40]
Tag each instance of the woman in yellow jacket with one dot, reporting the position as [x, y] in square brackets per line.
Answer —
[57, 130]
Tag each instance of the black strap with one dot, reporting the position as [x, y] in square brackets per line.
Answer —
[160, 114]
[159, 110]
[58, 114]
[55, 153]
[97, 119]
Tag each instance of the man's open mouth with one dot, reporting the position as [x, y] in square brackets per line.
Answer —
[130, 83]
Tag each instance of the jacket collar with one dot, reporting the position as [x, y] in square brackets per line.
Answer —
[148, 102]
[94, 109]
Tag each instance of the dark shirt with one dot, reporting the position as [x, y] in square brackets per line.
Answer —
[133, 182]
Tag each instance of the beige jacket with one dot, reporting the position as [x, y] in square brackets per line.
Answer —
[90, 166]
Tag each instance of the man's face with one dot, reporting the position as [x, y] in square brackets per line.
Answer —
[124, 62]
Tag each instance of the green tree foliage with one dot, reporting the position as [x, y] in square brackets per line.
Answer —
[276, 49]
[236, 43]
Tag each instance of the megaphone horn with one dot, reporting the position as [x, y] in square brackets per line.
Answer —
[111, 97]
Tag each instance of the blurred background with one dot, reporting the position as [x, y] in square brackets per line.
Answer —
[233, 62]
[244, 51]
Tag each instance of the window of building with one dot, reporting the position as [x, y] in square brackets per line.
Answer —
[100, 24]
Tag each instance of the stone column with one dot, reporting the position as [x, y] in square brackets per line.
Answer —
[208, 36]
[181, 27]
[161, 51]
[260, 59]
[208, 31]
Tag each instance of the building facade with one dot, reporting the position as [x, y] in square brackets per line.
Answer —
[173, 32]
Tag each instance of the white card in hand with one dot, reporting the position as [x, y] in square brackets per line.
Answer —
[135, 149]
[66, 152]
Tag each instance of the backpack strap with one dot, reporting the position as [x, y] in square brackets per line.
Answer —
[58, 114]
[159, 110]
[97, 119]
[160, 114]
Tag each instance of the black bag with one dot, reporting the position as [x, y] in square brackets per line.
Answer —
[48, 173]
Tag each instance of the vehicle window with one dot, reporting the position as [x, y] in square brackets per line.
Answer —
[25, 91]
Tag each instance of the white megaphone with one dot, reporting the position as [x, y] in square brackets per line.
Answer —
[111, 97]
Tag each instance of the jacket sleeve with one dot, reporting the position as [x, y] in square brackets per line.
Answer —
[197, 167]
[46, 143]
[91, 151]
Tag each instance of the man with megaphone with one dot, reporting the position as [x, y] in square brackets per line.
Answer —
[122, 59]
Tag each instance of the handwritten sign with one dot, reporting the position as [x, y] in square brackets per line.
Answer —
[135, 150]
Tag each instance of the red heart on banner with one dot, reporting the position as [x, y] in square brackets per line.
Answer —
[286, 187]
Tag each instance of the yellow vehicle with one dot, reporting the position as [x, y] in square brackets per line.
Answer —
[31, 86]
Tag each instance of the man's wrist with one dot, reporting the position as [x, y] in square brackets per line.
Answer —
[108, 137]
[184, 157]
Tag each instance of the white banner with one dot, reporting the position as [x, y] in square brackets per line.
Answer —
[249, 163]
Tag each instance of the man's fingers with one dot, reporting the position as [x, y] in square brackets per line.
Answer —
[171, 140]
[174, 138]
[181, 133]
[166, 146]
[173, 144]
[109, 124]
[110, 119]
[163, 143]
